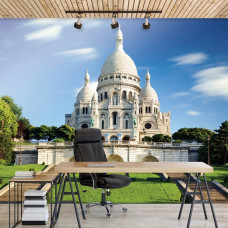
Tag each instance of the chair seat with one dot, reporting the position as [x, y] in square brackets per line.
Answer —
[111, 181]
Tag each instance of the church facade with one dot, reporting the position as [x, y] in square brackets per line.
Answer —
[119, 107]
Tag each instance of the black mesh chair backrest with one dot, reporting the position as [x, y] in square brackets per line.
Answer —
[88, 147]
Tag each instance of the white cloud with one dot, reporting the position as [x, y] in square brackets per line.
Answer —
[212, 82]
[83, 53]
[46, 34]
[190, 59]
[180, 94]
[92, 84]
[193, 113]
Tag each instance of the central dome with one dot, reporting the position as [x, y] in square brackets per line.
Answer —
[119, 61]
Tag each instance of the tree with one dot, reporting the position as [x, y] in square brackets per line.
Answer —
[14, 107]
[193, 134]
[23, 128]
[217, 146]
[8, 120]
[161, 138]
[35, 133]
[6, 147]
[66, 132]
[147, 139]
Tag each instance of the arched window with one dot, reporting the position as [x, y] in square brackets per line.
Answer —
[115, 98]
[84, 125]
[101, 97]
[124, 95]
[146, 109]
[130, 96]
[105, 95]
[102, 124]
[114, 138]
[149, 110]
[86, 110]
[114, 116]
[83, 110]
[148, 126]
[126, 124]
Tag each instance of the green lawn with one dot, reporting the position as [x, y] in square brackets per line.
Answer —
[219, 173]
[7, 172]
[140, 191]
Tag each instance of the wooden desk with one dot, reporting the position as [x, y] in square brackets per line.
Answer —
[43, 179]
[199, 168]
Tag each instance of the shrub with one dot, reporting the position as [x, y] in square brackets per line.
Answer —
[3, 162]
[115, 158]
[226, 180]
[59, 140]
[43, 163]
[169, 180]
[6, 147]
[187, 199]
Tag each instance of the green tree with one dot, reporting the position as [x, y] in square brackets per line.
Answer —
[8, 120]
[14, 107]
[193, 134]
[23, 128]
[35, 133]
[217, 146]
[147, 139]
[161, 138]
[6, 147]
[66, 132]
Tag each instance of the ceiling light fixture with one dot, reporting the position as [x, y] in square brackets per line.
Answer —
[114, 24]
[78, 24]
[146, 25]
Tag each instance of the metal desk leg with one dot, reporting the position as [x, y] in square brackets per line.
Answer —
[75, 206]
[9, 204]
[185, 194]
[209, 197]
[56, 203]
[79, 197]
[14, 206]
[193, 200]
[51, 200]
[61, 199]
[204, 208]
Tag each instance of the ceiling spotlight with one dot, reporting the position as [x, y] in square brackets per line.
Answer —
[146, 25]
[114, 24]
[78, 24]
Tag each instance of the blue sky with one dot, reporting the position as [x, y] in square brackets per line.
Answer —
[43, 63]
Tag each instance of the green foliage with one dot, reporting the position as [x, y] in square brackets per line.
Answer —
[147, 139]
[3, 162]
[2, 181]
[187, 199]
[66, 132]
[161, 138]
[217, 146]
[14, 107]
[59, 140]
[23, 128]
[43, 163]
[6, 147]
[225, 180]
[177, 141]
[192, 134]
[8, 120]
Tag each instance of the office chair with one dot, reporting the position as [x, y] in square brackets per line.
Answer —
[88, 148]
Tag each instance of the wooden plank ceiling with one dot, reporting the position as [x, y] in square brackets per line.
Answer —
[169, 8]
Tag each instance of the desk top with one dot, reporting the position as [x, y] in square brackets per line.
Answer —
[42, 178]
[135, 167]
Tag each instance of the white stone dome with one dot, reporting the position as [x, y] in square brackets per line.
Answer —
[148, 93]
[119, 61]
[86, 93]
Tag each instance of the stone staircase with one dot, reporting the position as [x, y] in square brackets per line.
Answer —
[217, 195]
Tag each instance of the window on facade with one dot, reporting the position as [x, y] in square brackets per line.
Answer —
[101, 80]
[105, 95]
[134, 79]
[130, 78]
[102, 124]
[83, 110]
[101, 97]
[115, 99]
[146, 110]
[149, 110]
[86, 110]
[124, 95]
[117, 76]
[126, 124]
[147, 125]
[130, 96]
[114, 117]
[84, 125]
[124, 77]
[106, 78]
[111, 77]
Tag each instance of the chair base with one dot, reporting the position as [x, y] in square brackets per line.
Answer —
[105, 204]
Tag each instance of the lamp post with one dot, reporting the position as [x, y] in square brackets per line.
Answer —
[208, 151]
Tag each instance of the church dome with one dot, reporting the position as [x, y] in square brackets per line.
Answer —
[119, 61]
[86, 93]
[148, 93]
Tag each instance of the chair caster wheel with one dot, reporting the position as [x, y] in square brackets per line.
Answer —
[109, 215]
[125, 209]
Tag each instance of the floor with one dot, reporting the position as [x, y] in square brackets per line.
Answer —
[138, 216]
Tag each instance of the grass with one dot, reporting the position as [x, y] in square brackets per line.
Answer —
[220, 172]
[140, 191]
[7, 172]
